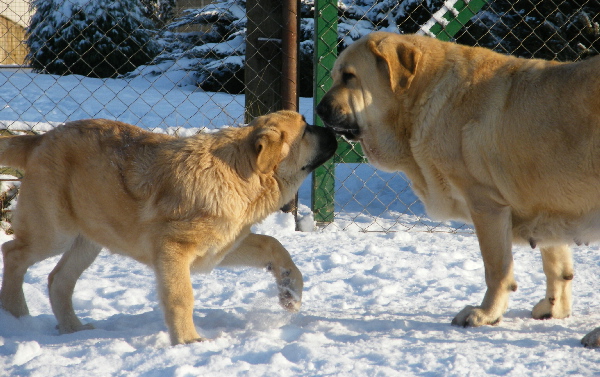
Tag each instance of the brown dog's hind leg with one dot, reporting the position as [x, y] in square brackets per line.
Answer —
[558, 267]
[27, 248]
[62, 280]
[267, 252]
[16, 263]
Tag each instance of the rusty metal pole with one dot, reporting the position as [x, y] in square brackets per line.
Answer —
[289, 49]
[289, 70]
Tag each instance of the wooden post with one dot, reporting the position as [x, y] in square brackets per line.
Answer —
[271, 72]
[289, 71]
[289, 49]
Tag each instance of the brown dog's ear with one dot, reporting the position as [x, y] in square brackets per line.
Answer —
[399, 61]
[268, 146]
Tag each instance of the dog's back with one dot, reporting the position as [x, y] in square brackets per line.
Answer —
[15, 150]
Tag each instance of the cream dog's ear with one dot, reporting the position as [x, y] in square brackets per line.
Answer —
[398, 60]
[268, 145]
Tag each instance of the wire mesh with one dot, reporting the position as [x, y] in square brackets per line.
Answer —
[183, 67]
[559, 30]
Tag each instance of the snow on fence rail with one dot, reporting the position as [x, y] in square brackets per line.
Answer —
[177, 70]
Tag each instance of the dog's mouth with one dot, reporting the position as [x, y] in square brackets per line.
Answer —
[351, 134]
[338, 121]
[327, 147]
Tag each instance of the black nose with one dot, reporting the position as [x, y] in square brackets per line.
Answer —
[328, 140]
[323, 109]
[325, 134]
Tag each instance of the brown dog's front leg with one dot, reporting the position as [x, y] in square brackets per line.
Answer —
[264, 251]
[172, 267]
[493, 227]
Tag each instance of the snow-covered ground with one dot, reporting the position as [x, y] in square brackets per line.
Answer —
[375, 304]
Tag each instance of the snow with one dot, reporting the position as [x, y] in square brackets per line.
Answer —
[374, 303]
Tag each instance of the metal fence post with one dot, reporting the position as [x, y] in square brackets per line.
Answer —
[289, 71]
[326, 20]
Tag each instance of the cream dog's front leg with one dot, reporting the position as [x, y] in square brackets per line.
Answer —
[493, 227]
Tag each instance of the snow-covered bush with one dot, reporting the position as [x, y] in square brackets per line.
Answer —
[219, 53]
[562, 30]
[95, 38]
[159, 11]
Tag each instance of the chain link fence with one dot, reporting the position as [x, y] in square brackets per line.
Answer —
[183, 66]
[370, 200]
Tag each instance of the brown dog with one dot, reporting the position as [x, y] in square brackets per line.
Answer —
[176, 204]
[511, 145]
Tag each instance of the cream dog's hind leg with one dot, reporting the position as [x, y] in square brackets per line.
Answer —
[558, 267]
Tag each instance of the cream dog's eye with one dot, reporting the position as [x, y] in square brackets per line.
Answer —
[347, 76]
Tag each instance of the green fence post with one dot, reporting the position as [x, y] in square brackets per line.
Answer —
[326, 20]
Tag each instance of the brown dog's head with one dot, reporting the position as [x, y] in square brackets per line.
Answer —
[286, 145]
[370, 79]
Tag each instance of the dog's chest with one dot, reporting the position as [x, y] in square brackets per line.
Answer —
[443, 200]
[444, 203]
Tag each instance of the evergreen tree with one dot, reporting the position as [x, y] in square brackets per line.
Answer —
[220, 56]
[555, 30]
[159, 11]
[95, 38]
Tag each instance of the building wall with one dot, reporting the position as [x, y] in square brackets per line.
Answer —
[12, 45]
[14, 18]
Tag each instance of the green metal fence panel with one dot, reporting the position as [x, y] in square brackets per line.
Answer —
[326, 19]
[444, 24]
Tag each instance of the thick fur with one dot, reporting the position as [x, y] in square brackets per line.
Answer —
[511, 145]
[179, 205]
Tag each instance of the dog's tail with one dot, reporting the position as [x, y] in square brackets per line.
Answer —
[15, 150]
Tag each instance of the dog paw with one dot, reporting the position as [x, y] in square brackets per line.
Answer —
[289, 298]
[472, 316]
[195, 340]
[69, 329]
[18, 308]
[550, 308]
[290, 290]
[592, 340]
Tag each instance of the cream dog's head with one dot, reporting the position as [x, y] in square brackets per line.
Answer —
[367, 99]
